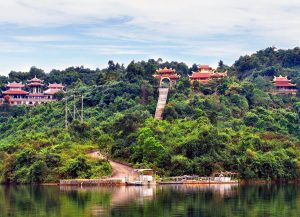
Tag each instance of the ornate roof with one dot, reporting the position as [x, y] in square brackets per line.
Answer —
[282, 81]
[208, 75]
[285, 85]
[55, 85]
[35, 84]
[281, 78]
[166, 73]
[35, 80]
[204, 67]
[51, 91]
[165, 70]
[200, 75]
[14, 85]
[15, 92]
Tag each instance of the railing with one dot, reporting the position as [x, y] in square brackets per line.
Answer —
[32, 100]
[293, 91]
[286, 90]
[26, 101]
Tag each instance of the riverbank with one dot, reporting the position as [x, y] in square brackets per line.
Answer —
[194, 200]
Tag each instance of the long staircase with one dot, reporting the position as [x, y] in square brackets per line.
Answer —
[161, 103]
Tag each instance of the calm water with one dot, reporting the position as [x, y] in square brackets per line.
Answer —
[219, 200]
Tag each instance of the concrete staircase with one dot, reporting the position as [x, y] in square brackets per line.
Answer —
[161, 103]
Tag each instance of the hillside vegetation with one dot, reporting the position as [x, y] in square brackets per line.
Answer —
[230, 124]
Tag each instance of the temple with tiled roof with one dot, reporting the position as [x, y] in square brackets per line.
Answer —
[53, 89]
[205, 73]
[284, 85]
[15, 95]
[166, 74]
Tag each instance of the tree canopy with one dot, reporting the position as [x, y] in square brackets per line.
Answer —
[229, 124]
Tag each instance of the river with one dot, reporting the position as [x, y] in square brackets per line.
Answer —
[169, 201]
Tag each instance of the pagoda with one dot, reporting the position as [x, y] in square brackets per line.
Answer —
[15, 93]
[205, 73]
[166, 75]
[284, 85]
[36, 93]
[53, 89]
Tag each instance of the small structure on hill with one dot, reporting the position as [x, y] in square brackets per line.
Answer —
[167, 77]
[53, 89]
[206, 73]
[15, 95]
[145, 177]
[284, 85]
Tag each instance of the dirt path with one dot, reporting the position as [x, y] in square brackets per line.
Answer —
[119, 170]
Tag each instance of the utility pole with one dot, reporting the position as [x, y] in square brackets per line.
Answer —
[81, 108]
[74, 112]
[66, 112]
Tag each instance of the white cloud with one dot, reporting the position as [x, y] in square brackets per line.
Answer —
[183, 18]
[102, 49]
[222, 29]
[9, 47]
[41, 38]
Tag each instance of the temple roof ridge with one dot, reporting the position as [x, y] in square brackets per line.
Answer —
[35, 79]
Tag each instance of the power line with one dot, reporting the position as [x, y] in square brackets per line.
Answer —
[72, 114]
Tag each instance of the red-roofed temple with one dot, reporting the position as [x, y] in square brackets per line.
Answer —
[284, 85]
[36, 93]
[15, 95]
[166, 75]
[53, 89]
[206, 73]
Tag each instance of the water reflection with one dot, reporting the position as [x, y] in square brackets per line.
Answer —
[176, 200]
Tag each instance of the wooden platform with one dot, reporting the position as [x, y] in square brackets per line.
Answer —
[92, 182]
[195, 182]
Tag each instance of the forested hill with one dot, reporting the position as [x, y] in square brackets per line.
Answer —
[230, 124]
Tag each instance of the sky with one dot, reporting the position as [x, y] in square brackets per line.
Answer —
[56, 34]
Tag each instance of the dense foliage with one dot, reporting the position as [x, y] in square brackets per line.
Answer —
[230, 124]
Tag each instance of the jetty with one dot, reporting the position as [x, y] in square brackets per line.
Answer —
[123, 175]
[216, 178]
[92, 182]
[144, 177]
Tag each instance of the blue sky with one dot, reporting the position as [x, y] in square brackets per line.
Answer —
[60, 33]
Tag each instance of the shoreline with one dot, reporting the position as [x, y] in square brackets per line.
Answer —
[240, 182]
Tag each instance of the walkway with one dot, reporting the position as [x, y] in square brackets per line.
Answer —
[119, 170]
[161, 103]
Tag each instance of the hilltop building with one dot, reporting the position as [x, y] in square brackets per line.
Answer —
[53, 89]
[166, 76]
[15, 95]
[284, 85]
[206, 73]
[14, 91]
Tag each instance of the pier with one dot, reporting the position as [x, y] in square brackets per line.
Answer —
[92, 182]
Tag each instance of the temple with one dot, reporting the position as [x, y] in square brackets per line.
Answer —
[53, 89]
[15, 95]
[284, 85]
[166, 76]
[205, 73]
